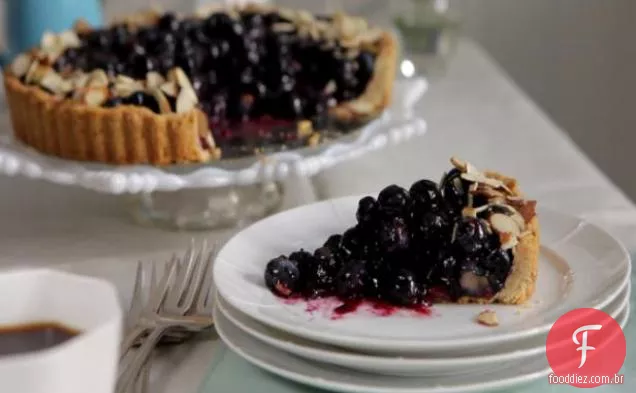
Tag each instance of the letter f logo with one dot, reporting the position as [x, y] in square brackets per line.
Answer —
[583, 344]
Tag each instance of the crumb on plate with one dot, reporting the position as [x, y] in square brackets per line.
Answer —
[488, 318]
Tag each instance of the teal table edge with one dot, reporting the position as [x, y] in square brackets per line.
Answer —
[231, 374]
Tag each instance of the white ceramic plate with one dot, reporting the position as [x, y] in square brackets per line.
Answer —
[335, 378]
[580, 266]
[499, 357]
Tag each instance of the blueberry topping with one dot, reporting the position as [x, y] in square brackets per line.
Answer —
[394, 199]
[351, 282]
[402, 289]
[367, 210]
[333, 242]
[282, 276]
[455, 190]
[425, 195]
[394, 234]
[471, 234]
[433, 227]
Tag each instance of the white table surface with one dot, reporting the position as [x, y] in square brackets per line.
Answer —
[474, 112]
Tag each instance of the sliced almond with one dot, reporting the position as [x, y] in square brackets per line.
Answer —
[304, 128]
[55, 83]
[469, 212]
[488, 318]
[169, 88]
[361, 107]
[49, 41]
[504, 224]
[287, 13]
[164, 105]
[69, 39]
[79, 80]
[36, 72]
[126, 89]
[95, 96]
[305, 16]
[154, 79]
[350, 42]
[97, 78]
[459, 164]
[186, 100]
[178, 76]
[507, 241]
[21, 64]
[314, 139]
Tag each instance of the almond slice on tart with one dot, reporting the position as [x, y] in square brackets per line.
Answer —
[472, 238]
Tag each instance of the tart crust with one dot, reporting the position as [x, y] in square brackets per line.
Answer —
[521, 282]
[136, 135]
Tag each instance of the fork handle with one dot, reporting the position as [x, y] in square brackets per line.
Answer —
[140, 358]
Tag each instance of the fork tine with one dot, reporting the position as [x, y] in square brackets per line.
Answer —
[159, 295]
[190, 283]
[136, 302]
[205, 292]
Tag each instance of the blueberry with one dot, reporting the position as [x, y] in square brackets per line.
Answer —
[367, 210]
[320, 280]
[402, 289]
[301, 256]
[425, 195]
[120, 35]
[216, 22]
[366, 64]
[351, 282]
[393, 234]
[328, 258]
[352, 241]
[168, 22]
[98, 39]
[433, 227]
[498, 265]
[471, 234]
[394, 199]
[333, 242]
[455, 191]
[473, 279]
[282, 276]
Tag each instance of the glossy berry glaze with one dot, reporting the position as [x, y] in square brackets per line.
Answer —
[253, 81]
[410, 248]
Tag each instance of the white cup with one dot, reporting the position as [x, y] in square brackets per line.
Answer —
[87, 363]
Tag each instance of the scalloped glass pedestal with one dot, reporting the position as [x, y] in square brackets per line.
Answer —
[206, 208]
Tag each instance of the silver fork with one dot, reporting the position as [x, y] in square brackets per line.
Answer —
[188, 295]
[137, 321]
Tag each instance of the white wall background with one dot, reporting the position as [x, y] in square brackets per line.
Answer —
[577, 60]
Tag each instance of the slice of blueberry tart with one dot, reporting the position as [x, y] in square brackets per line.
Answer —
[157, 88]
[472, 238]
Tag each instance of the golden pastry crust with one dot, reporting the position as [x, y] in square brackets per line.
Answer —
[520, 284]
[135, 135]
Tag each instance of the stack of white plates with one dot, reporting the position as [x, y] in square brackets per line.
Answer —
[581, 266]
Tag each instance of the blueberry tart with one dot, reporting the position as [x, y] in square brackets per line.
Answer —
[158, 88]
[471, 238]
